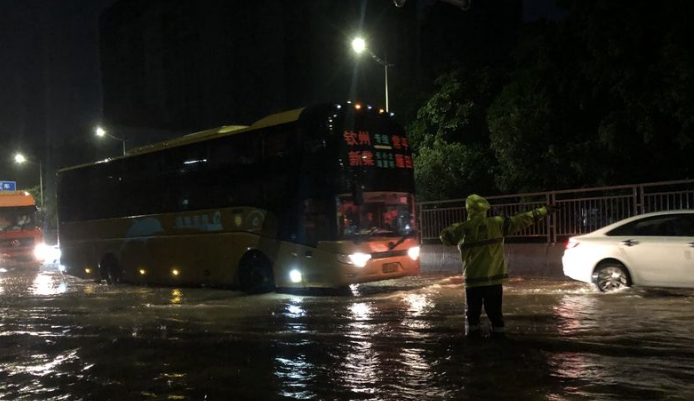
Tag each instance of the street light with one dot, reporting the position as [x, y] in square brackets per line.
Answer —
[359, 47]
[464, 5]
[21, 159]
[101, 132]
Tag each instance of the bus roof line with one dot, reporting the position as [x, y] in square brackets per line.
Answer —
[271, 120]
[277, 119]
[188, 138]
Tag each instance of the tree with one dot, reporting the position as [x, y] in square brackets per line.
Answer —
[604, 97]
[533, 131]
[450, 170]
[451, 139]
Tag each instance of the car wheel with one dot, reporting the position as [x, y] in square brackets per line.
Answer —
[611, 276]
[255, 274]
[110, 271]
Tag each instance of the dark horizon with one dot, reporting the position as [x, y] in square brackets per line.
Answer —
[52, 86]
[50, 79]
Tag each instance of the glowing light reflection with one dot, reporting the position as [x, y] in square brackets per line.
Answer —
[294, 369]
[360, 311]
[294, 309]
[419, 304]
[573, 313]
[176, 296]
[361, 362]
[48, 284]
[90, 289]
[296, 374]
[42, 364]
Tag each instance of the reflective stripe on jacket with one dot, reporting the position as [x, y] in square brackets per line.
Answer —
[480, 241]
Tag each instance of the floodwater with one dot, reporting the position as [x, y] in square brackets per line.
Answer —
[62, 338]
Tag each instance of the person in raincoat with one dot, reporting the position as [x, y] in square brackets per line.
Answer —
[480, 241]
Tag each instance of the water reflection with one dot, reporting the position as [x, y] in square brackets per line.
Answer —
[620, 345]
[90, 289]
[294, 312]
[575, 314]
[361, 361]
[294, 308]
[386, 344]
[45, 364]
[48, 284]
[418, 306]
[176, 296]
[360, 311]
[416, 366]
[17, 279]
[379, 350]
[292, 365]
[30, 377]
[296, 375]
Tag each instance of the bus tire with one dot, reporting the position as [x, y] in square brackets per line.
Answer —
[109, 270]
[255, 274]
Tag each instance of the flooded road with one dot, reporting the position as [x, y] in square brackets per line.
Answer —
[62, 338]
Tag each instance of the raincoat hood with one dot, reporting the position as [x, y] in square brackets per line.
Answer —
[476, 206]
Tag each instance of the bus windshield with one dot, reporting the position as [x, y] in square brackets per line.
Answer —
[384, 214]
[18, 218]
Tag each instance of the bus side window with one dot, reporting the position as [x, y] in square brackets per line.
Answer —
[234, 151]
[104, 182]
[279, 143]
[313, 223]
[279, 165]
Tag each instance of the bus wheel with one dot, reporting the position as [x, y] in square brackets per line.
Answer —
[108, 267]
[255, 274]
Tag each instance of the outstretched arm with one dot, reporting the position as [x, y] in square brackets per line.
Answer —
[524, 220]
[452, 234]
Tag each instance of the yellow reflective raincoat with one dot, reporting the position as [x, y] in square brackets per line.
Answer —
[480, 240]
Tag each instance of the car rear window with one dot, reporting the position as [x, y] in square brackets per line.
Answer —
[671, 225]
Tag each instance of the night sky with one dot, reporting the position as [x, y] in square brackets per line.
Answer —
[50, 86]
[49, 79]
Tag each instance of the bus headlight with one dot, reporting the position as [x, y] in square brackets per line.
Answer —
[41, 251]
[356, 259]
[413, 252]
[47, 253]
[295, 276]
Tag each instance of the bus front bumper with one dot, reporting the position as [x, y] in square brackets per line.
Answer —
[342, 274]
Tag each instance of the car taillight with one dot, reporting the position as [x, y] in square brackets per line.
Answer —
[572, 243]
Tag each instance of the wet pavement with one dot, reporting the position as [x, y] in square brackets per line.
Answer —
[62, 338]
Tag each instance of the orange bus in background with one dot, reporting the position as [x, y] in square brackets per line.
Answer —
[21, 238]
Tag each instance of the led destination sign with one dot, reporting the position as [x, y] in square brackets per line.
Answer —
[365, 149]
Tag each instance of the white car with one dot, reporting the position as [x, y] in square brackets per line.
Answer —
[653, 249]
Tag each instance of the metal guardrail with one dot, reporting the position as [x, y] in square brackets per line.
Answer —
[582, 210]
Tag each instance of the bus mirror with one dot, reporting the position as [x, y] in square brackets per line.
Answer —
[357, 195]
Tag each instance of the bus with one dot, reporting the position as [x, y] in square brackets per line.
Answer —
[321, 196]
[21, 238]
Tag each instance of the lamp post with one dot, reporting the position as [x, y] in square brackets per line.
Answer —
[21, 159]
[101, 132]
[359, 47]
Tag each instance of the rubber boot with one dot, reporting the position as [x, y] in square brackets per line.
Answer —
[497, 333]
[473, 332]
